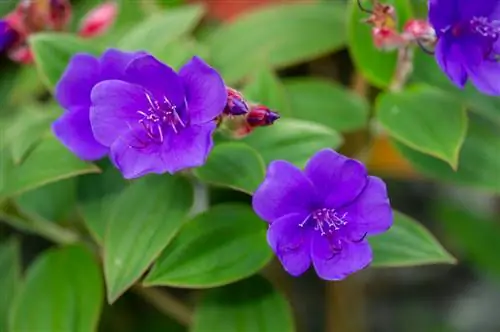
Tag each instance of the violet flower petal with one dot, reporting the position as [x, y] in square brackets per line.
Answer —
[74, 131]
[443, 13]
[291, 243]
[114, 109]
[113, 63]
[285, 190]
[338, 179]
[80, 76]
[205, 91]
[371, 212]
[158, 78]
[7, 35]
[188, 148]
[134, 156]
[337, 266]
[468, 9]
[449, 57]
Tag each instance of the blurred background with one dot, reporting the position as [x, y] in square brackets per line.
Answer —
[436, 298]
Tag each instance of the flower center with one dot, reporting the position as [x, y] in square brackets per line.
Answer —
[327, 221]
[159, 117]
[486, 28]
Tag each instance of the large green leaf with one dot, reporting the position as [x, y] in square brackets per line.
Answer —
[292, 140]
[68, 283]
[277, 36]
[220, 246]
[427, 71]
[52, 52]
[377, 66]
[266, 89]
[54, 202]
[247, 306]
[479, 159]
[50, 161]
[162, 28]
[96, 192]
[234, 165]
[10, 278]
[476, 237]
[407, 243]
[327, 103]
[27, 129]
[142, 221]
[426, 119]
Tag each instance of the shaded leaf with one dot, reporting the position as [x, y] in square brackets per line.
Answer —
[10, 277]
[266, 89]
[142, 221]
[220, 246]
[234, 165]
[247, 306]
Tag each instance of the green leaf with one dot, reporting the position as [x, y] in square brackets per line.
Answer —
[49, 162]
[292, 140]
[234, 165]
[247, 306]
[27, 129]
[407, 243]
[376, 66]
[10, 265]
[159, 30]
[142, 221]
[477, 237]
[427, 71]
[266, 88]
[220, 246]
[54, 202]
[326, 102]
[68, 283]
[277, 36]
[52, 52]
[179, 52]
[96, 192]
[426, 120]
[479, 159]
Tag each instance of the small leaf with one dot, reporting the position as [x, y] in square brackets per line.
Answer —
[96, 192]
[407, 243]
[54, 202]
[327, 103]
[376, 65]
[160, 29]
[426, 120]
[292, 140]
[479, 159]
[50, 161]
[142, 221]
[10, 265]
[27, 129]
[247, 306]
[234, 165]
[268, 90]
[68, 283]
[220, 246]
[276, 36]
[52, 52]
[477, 237]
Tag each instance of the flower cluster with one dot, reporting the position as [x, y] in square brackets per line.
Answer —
[144, 115]
[30, 17]
[468, 41]
[322, 215]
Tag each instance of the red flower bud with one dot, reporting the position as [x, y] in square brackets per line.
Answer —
[260, 116]
[98, 20]
[236, 103]
[419, 30]
[21, 54]
[387, 39]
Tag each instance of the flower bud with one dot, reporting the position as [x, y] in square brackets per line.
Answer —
[21, 54]
[260, 116]
[98, 20]
[419, 30]
[236, 103]
[387, 39]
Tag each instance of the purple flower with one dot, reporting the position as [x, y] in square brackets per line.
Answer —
[8, 35]
[158, 120]
[73, 93]
[468, 33]
[321, 215]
